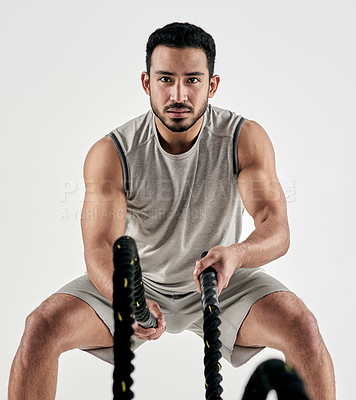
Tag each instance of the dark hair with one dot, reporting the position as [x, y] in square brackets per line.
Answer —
[180, 35]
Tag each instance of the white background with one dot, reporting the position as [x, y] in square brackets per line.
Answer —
[70, 74]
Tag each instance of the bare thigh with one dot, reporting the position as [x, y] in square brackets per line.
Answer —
[276, 320]
[66, 322]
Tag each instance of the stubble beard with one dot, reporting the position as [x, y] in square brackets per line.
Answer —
[178, 124]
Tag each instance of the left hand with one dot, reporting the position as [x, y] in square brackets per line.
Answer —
[224, 260]
[151, 333]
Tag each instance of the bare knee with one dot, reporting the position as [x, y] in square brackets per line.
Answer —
[45, 330]
[302, 335]
[63, 322]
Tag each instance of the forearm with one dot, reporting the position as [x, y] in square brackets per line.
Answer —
[100, 268]
[269, 241]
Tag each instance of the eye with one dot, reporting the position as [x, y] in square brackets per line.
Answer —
[193, 80]
[164, 79]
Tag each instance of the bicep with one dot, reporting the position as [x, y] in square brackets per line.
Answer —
[261, 194]
[104, 209]
[258, 183]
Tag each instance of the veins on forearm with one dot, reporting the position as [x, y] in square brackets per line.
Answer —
[269, 241]
[99, 262]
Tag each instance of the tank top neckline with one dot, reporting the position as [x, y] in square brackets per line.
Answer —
[186, 153]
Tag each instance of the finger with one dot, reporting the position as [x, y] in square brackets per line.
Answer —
[144, 335]
[144, 331]
[196, 280]
[220, 283]
[156, 311]
[161, 323]
[151, 333]
[159, 332]
[205, 262]
[135, 326]
[197, 271]
[151, 336]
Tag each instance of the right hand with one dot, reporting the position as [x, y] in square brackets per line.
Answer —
[151, 333]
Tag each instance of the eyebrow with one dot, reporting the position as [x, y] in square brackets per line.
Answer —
[196, 73]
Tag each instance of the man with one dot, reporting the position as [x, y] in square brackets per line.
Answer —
[177, 179]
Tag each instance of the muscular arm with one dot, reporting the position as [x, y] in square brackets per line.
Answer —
[103, 221]
[104, 212]
[263, 198]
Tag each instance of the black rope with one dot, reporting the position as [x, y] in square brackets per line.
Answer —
[212, 344]
[128, 303]
[275, 375]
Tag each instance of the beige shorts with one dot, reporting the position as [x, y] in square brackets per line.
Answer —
[184, 312]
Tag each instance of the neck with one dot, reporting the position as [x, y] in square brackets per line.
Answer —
[178, 142]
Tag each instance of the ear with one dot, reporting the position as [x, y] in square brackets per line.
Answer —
[145, 79]
[213, 86]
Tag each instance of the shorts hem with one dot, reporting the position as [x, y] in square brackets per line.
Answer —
[91, 306]
[103, 353]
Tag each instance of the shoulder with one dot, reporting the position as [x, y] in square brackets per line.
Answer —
[254, 145]
[102, 150]
[102, 163]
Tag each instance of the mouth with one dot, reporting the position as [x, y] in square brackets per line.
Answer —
[178, 112]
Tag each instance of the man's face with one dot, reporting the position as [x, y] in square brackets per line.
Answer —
[178, 86]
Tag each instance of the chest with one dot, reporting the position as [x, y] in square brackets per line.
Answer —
[203, 177]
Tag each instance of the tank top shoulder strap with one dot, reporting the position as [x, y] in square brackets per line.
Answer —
[235, 143]
[125, 172]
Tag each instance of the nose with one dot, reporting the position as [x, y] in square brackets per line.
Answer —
[179, 92]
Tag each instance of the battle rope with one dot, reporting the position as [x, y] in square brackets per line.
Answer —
[275, 375]
[212, 344]
[129, 303]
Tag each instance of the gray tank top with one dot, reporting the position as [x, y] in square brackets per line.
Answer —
[179, 205]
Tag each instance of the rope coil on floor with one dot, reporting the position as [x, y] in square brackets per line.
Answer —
[275, 375]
